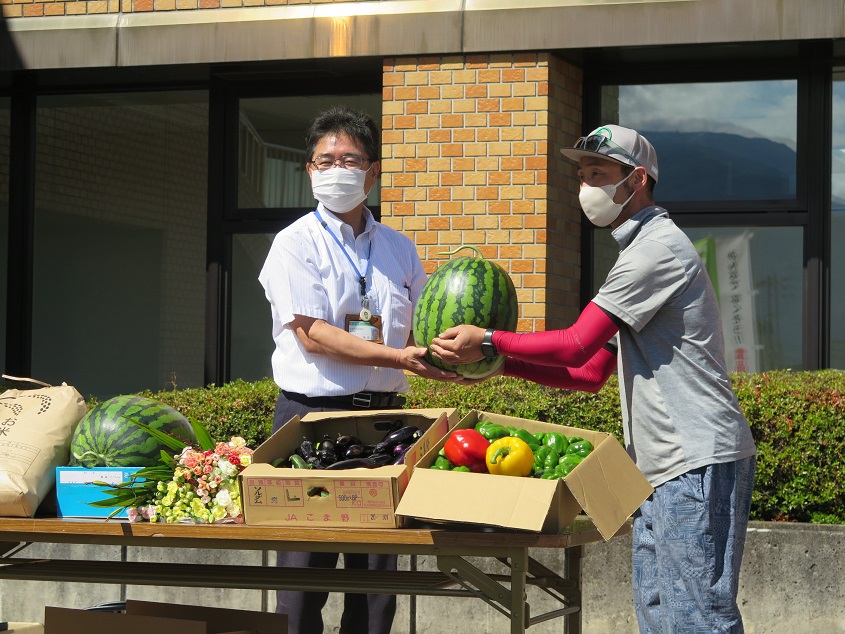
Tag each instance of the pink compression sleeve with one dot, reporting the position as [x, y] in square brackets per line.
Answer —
[590, 377]
[571, 347]
[573, 358]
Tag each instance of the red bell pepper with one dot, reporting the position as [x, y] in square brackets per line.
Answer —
[467, 448]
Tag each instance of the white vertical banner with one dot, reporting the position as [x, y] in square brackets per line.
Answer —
[736, 302]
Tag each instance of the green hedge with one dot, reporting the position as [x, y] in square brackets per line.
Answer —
[797, 419]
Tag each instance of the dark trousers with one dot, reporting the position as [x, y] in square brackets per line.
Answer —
[362, 613]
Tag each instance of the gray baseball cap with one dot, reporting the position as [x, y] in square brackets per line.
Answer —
[616, 143]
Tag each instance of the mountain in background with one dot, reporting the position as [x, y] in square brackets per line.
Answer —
[718, 165]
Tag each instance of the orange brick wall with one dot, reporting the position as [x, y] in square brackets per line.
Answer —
[471, 156]
[35, 8]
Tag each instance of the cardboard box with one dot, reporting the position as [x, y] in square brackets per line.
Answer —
[74, 489]
[143, 617]
[363, 498]
[606, 485]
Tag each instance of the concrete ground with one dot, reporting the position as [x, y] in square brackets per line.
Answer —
[792, 581]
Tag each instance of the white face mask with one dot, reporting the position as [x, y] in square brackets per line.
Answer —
[598, 205]
[339, 189]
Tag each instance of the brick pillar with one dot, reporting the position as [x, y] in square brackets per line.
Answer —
[471, 156]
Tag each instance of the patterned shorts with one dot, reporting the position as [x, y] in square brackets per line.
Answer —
[688, 542]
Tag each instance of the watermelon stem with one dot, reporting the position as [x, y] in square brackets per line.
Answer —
[463, 246]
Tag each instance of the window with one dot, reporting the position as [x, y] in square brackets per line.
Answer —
[120, 241]
[4, 218]
[757, 274]
[837, 265]
[727, 144]
[252, 328]
[272, 176]
[271, 148]
[718, 141]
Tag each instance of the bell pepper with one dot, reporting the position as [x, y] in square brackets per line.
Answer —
[551, 474]
[462, 469]
[442, 463]
[546, 458]
[491, 431]
[568, 463]
[540, 457]
[467, 448]
[557, 441]
[580, 448]
[539, 437]
[510, 456]
[527, 437]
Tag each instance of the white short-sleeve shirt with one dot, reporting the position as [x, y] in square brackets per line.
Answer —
[307, 273]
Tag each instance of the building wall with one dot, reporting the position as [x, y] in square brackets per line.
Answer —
[35, 8]
[470, 157]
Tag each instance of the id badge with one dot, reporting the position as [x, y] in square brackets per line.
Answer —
[368, 330]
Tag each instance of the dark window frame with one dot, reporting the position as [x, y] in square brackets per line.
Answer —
[225, 218]
[811, 64]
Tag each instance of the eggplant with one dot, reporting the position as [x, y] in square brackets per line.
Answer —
[380, 459]
[355, 451]
[327, 444]
[306, 449]
[400, 449]
[406, 434]
[345, 441]
[352, 463]
[370, 462]
[327, 455]
[399, 452]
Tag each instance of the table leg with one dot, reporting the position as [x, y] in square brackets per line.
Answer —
[519, 608]
[572, 571]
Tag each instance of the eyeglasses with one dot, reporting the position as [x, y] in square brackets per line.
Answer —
[595, 142]
[347, 161]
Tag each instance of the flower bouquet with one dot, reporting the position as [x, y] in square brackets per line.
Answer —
[197, 485]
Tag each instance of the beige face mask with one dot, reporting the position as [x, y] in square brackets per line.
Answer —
[598, 205]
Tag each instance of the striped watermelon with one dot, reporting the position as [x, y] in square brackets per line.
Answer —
[105, 437]
[465, 290]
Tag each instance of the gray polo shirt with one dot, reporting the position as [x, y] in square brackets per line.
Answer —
[679, 411]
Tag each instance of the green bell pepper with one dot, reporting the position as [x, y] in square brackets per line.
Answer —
[540, 436]
[527, 437]
[581, 448]
[442, 463]
[491, 431]
[567, 463]
[540, 456]
[462, 469]
[557, 441]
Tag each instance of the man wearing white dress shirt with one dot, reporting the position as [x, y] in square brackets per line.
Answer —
[342, 290]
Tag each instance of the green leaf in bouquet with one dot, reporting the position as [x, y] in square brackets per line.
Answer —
[164, 438]
[124, 499]
[203, 437]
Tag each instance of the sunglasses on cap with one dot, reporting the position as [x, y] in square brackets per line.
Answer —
[595, 142]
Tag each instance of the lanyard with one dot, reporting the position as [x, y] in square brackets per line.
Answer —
[362, 275]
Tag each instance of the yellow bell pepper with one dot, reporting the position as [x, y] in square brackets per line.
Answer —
[510, 456]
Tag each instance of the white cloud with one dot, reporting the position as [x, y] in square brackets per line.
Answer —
[766, 109]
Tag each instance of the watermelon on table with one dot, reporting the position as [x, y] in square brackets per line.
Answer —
[106, 437]
[465, 290]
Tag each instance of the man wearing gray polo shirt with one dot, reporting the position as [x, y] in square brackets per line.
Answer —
[656, 319]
